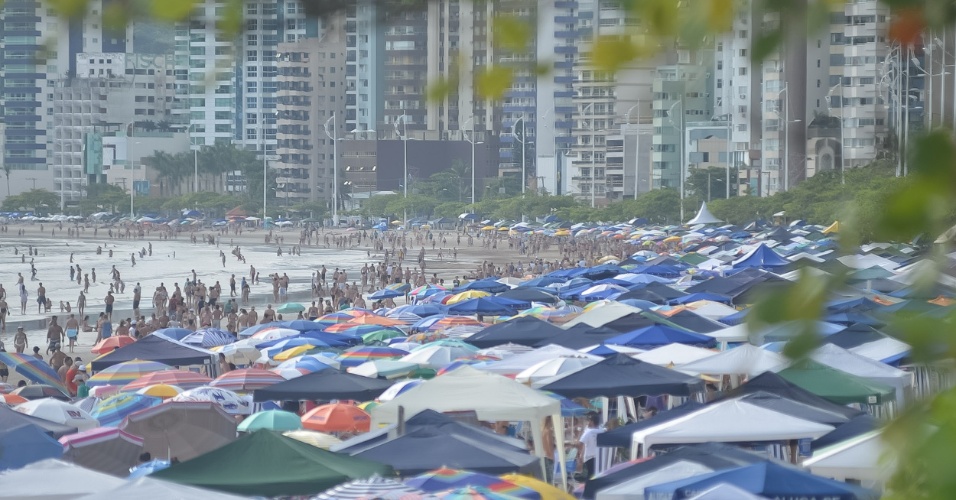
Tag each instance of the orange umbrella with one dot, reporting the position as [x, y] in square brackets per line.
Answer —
[12, 399]
[111, 344]
[340, 327]
[337, 417]
[372, 319]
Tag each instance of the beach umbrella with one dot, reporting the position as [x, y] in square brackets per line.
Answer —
[112, 410]
[148, 468]
[385, 293]
[467, 295]
[111, 344]
[228, 400]
[452, 321]
[550, 368]
[274, 333]
[599, 292]
[373, 487]
[273, 347]
[180, 378]
[275, 420]
[103, 391]
[32, 369]
[547, 491]
[125, 372]
[294, 352]
[447, 479]
[12, 399]
[400, 343]
[6, 388]
[315, 438]
[436, 356]
[368, 406]
[488, 306]
[425, 337]
[182, 430]
[372, 319]
[242, 352]
[290, 307]
[173, 333]
[455, 343]
[104, 449]
[382, 335]
[336, 317]
[426, 291]
[351, 329]
[312, 362]
[399, 388]
[473, 493]
[58, 412]
[358, 355]
[254, 329]
[337, 417]
[384, 368]
[161, 391]
[209, 337]
[421, 310]
[246, 380]
[290, 373]
[23, 445]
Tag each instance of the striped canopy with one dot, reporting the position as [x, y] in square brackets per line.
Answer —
[112, 410]
[373, 487]
[33, 369]
[126, 372]
[180, 378]
[448, 479]
[246, 380]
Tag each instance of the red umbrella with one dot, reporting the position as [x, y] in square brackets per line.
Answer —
[337, 417]
[111, 344]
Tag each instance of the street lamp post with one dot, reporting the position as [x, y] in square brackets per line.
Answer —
[403, 135]
[514, 129]
[680, 148]
[589, 109]
[195, 148]
[786, 137]
[335, 169]
[473, 143]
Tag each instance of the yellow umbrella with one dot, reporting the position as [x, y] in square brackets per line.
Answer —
[470, 294]
[488, 228]
[164, 391]
[608, 258]
[293, 352]
[544, 489]
[504, 228]
[562, 232]
[315, 438]
[672, 239]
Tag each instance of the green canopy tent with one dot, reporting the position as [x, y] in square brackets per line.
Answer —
[835, 385]
[269, 464]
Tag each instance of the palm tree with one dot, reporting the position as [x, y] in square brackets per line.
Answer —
[172, 169]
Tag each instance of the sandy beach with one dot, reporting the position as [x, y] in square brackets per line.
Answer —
[173, 261]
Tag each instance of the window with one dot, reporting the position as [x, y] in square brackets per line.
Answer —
[251, 87]
[742, 53]
[742, 34]
[252, 8]
[251, 71]
[252, 40]
[252, 55]
[742, 72]
[252, 118]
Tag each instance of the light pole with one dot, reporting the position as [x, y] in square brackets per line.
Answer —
[842, 148]
[514, 133]
[589, 109]
[786, 136]
[335, 169]
[403, 135]
[473, 143]
[195, 148]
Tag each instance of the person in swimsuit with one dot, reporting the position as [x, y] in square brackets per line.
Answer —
[72, 331]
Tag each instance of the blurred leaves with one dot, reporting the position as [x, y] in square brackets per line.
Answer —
[492, 82]
[511, 33]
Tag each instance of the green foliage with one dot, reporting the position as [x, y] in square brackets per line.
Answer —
[104, 197]
[37, 200]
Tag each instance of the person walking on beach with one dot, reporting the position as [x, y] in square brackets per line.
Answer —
[81, 303]
[24, 297]
[109, 304]
[3, 315]
[54, 336]
[20, 342]
[41, 298]
[232, 285]
[137, 296]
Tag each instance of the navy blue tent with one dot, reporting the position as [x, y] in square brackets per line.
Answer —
[715, 456]
[425, 449]
[580, 336]
[663, 271]
[621, 437]
[481, 305]
[769, 479]
[775, 384]
[690, 320]
[762, 257]
[853, 427]
[486, 285]
[325, 385]
[528, 294]
[524, 330]
[659, 335]
[542, 281]
[604, 271]
[155, 348]
[25, 444]
[621, 375]
[694, 297]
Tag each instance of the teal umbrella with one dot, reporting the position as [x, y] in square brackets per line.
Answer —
[276, 420]
[291, 307]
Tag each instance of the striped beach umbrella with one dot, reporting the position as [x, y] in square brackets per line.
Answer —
[372, 319]
[32, 369]
[373, 487]
[108, 450]
[336, 317]
[233, 403]
[111, 344]
[294, 352]
[112, 410]
[445, 478]
[246, 380]
[180, 378]
[161, 391]
[426, 291]
[425, 337]
[544, 489]
[312, 362]
[274, 333]
[209, 337]
[126, 372]
[384, 368]
[452, 321]
[473, 493]
[399, 388]
[315, 438]
[466, 295]
[381, 335]
[360, 354]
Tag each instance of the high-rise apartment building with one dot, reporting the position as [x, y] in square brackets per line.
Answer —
[312, 90]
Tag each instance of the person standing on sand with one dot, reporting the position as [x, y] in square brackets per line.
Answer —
[72, 331]
[41, 298]
[137, 296]
[54, 336]
[24, 297]
[20, 342]
[80, 303]
[109, 304]
[3, 315]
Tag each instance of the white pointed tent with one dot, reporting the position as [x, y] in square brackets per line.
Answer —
[602, 314]
[493, 398]
[731, 421]
[634, 487]
[744, 360]
[863, 458]
[674, 354]
[704, 216]
[521, 362]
